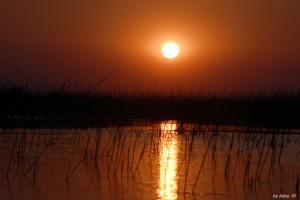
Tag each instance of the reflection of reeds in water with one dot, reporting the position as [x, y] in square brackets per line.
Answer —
[204, 154]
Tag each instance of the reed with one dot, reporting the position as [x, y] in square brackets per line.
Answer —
[228, 157]
[133, 152]
[73, 105]
[97, 148]
[36, 159]
[37, 146]
[189, 159]
[142, 153]
[11, 155]
[31, 143]
[113, 150]
[119, 158]
[259, 161]
[273, 146]
[264, 162]
[85, 156]
[202, 163]
[297, 184]
[70, 171]
[248, 162]
[128, 153]
[283, 141]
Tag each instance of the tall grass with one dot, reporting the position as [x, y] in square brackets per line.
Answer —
[72, 104]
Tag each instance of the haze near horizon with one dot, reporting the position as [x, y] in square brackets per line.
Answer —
[224, 46]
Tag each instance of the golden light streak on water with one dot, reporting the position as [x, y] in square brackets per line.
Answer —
[168, 161]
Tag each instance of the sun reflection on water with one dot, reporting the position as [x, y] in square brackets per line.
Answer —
[168, 161]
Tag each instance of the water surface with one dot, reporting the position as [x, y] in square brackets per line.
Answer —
[165, 160]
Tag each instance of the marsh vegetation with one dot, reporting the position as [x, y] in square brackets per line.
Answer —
[80, 142]
[73, 105]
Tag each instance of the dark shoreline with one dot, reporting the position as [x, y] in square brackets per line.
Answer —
[63, 108]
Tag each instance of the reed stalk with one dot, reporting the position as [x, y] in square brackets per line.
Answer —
[202, 164]
[297, 184]
[71, 172]
[120, 157]
[141, 155]
[133, 152]
[32, 139]
[259, 161]
[11, 155]
[37, 159]
[188, 161]
[228, 157]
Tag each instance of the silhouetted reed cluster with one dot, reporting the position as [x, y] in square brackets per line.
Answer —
[75, 104]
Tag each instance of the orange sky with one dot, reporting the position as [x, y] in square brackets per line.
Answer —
[225, 45]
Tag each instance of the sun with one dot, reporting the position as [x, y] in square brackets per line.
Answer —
[170, 50]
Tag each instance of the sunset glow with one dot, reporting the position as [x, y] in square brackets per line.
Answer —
[211, 46]
[149, 99]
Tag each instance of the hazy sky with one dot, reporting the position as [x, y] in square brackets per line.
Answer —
[225, 44]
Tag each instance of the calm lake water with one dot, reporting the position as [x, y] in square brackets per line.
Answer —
[164, 160]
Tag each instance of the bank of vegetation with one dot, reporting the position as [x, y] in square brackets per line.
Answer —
[67, 104]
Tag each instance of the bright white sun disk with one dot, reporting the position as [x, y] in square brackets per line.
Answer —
[170, 50]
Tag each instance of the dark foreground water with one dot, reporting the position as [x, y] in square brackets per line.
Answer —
[165, 160]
